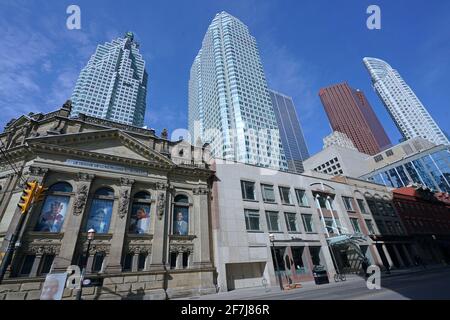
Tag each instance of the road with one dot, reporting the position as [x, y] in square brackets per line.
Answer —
[426, 284]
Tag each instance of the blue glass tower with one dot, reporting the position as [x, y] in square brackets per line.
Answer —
[229, 102]
[113, 85]
[291, 132]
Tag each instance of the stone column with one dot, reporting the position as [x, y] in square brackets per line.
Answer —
[73, 225]
[399, 257]
[136, 250]
[202, 256]
[36, 263]
[388, 257]
[410, 260]
[376, 255]
[90, 261]
[179, 263]
[163, 212]
[309, 262]
[190, 257]
[115, 257]
[147, 260]
[325, 250]
[134, 262]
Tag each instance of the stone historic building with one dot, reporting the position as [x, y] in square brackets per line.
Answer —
[146, 197]
[426, 216]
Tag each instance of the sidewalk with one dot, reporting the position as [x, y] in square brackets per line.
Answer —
[255, 292]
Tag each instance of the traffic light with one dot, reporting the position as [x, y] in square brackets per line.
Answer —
[40, 193]
[27, 197]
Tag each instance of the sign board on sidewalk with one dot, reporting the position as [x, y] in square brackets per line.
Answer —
[53, 287]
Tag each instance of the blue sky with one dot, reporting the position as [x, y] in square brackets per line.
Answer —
[305, 45]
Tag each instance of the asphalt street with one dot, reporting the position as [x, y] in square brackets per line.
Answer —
[424, 284]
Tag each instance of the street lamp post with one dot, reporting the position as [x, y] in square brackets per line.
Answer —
[90, 237]
[272, 241]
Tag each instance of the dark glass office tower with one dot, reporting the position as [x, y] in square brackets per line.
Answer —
[291, 133]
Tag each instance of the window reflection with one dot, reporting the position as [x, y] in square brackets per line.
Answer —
[55, 207]
[140, 214]
[101, 210]
[181, 215]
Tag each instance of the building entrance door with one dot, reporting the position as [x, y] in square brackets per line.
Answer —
[291, 264]
[348, 259]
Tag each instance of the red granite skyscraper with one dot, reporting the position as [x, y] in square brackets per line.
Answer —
[349, 112]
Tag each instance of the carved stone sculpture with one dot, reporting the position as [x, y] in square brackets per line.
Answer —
[161, 205]
[80, 199]
[124, 203]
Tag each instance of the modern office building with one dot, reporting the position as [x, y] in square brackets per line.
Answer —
[407, 111]
[413, 161]
[339, 139]
[292, 138]
[349, 112]
[315, 222]
[229, 102]
[336, 160]
[113, 85]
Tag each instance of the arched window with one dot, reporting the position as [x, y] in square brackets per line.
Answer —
[101, 210]
[54, 209]
[181, 199]
[181, 215]
[140, 213]
[60, 187]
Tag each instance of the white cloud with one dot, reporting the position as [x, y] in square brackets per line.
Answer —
[292, 76]
[39, 61]
[62, 88]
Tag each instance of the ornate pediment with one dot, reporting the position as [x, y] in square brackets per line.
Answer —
[14, 123]
[107, 144]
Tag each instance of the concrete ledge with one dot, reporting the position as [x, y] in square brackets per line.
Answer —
[123, 287]
[31, 286]
[33, 295]
[155, 295]
[205, 291]
[130, 279]
[9, 287]
[147, 278]
[15, 296]
[112, 280]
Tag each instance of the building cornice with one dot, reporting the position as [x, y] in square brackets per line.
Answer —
[57, 149]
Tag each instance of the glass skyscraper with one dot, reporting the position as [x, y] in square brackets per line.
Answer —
[292, 138]
[229, 102]
[430, 168]
[113, 85]
[409, 114]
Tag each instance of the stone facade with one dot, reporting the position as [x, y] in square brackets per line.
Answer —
[426, 215]
[87, 162]
[249, 203]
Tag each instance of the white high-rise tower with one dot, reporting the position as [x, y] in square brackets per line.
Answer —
[113, 85]
[409, 114]
[229, 102]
